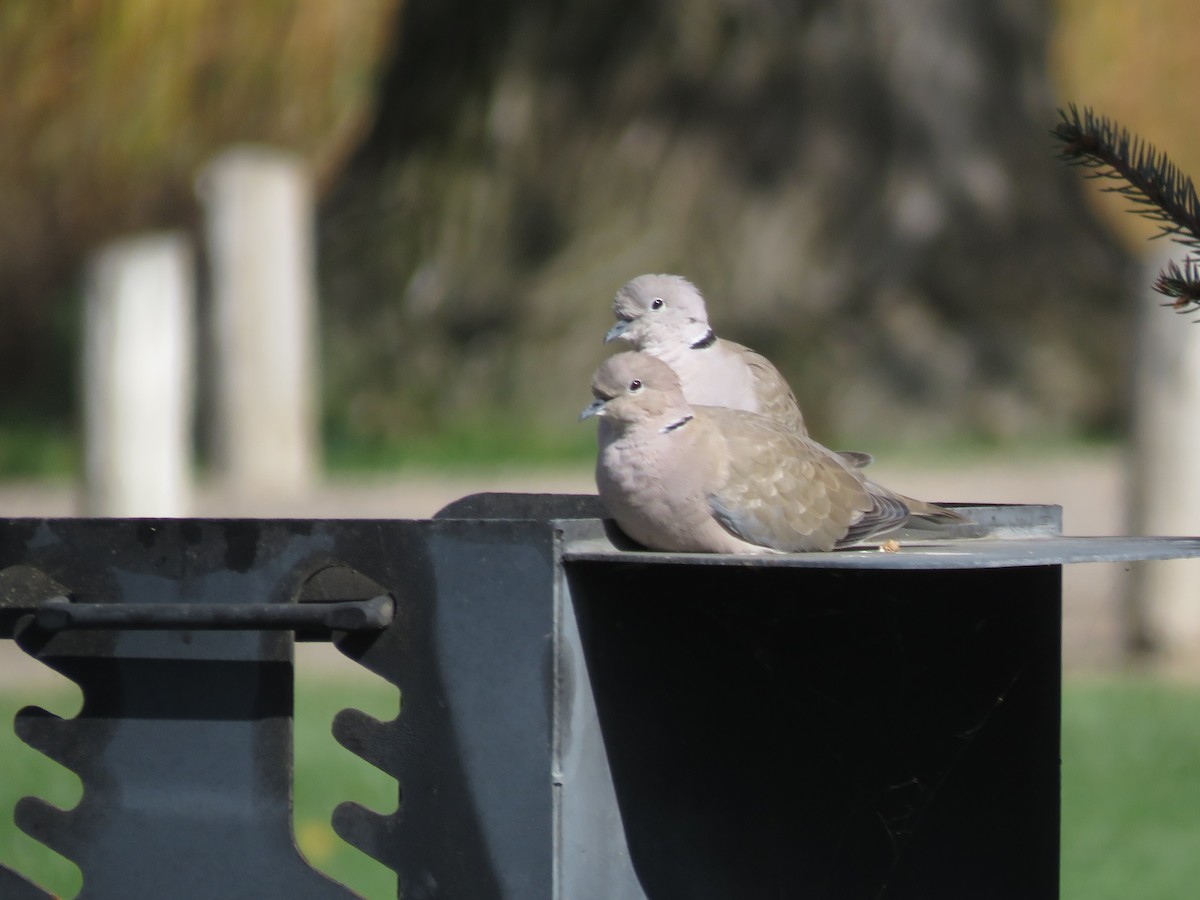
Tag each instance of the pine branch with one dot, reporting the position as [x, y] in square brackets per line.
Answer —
[1162, 193]
[1152, 181]
[1181, 285]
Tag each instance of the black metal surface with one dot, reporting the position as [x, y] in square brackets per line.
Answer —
[592, 541]
[472, 650]
[59, 613]
[579, 720]
[183, 744]
[535, 507]
[829, 735]
[184, 740]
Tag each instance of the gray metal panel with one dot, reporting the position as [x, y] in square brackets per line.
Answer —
[472, 651]
[184, 741]
[528, 635]
[593, 856]
[594, 541]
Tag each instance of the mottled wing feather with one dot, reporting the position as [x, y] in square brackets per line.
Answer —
[789, 493]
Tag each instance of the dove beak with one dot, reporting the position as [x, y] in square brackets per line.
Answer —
[595, 408]
[617, 330]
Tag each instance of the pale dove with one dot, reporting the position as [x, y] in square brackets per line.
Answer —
[665, 316]
[678, 477]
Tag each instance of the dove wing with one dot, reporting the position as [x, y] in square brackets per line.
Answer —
[789, 493]
[775, 397]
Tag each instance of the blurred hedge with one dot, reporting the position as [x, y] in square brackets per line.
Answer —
[866, 191]
[110, 107]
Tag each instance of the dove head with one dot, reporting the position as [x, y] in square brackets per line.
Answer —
[661, 314]
[632, 388]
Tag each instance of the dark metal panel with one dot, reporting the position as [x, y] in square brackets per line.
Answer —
[60, 613]
[193, 727]
[829, 734]
[15, 887]
[184, 741]
[848, 722]
[472, 652]
[594, 541]
[535, 507]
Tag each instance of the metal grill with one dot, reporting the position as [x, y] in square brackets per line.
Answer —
[580, 720]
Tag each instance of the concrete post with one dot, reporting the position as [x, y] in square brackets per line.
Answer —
[259, 215]
[1163, 606]
[139, 335]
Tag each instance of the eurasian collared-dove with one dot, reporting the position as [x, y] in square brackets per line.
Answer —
[665, 316]
[689, 478]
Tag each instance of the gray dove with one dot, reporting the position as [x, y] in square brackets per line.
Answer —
[678, 477]
[665, 316]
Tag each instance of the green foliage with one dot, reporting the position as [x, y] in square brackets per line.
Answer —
[30, 449]
[1147, 177]
[113, 107]
[479, 444]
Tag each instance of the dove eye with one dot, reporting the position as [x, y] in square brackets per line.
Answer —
[635, 386]
[656, 303]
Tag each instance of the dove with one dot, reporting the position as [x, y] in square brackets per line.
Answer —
[665, 316]
[684, 478]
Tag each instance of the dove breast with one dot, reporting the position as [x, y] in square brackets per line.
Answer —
[666, 316]
[658, 491]
[732, 376]
[678, 477]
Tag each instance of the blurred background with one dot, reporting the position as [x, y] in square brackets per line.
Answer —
[329, 258]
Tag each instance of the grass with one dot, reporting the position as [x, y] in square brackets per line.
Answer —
[44, 452]
[37, 450]
[33, 451]
[1131, 786]
[1131, 791]
[966, 450]
[461, 446]
[325, 775]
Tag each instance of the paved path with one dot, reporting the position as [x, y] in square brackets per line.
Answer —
[1090, 489]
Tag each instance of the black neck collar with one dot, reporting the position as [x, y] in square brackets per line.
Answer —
[678, 424]
[705, 342]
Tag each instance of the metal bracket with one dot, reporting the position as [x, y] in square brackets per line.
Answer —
[60, 614]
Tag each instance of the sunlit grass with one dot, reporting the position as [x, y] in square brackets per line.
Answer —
[25, 772]
[968, 450]
[1131, 791]
[48, 451]
[464, 446]
[325, 775]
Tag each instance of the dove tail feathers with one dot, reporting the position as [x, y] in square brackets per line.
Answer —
[932, 512]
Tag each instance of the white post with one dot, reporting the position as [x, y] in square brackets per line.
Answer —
[1163, 608]
[259, 221]
[137, 372]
